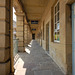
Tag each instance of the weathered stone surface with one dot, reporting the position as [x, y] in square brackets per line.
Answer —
[7, 15]
[4, 41]
[4, 37]
[20, 43]
[4, 27]
[5, 68]
[2, 13]
[21, 49]
[19, 34]
[20, 38]
[2, 2]
[19, 29]
[19, 23]
[19, 18]
[4, 55]
[60, 52]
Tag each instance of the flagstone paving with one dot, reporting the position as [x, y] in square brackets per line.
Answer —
[35, 61]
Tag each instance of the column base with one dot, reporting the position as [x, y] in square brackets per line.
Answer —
[5, 68]
[21, 49]
[11, 74]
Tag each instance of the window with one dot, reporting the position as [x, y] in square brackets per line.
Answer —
[56, 23]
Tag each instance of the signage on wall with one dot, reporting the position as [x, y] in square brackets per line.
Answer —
[33, 29]
[34, 22]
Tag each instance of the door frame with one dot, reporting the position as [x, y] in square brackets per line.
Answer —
[33, 36]
[47, 26]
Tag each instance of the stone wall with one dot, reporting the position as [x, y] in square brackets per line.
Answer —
[20, 32]
[27, 34]
[5, 37]
[60, 52]
[24, 33]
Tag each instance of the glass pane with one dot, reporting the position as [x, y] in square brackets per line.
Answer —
[55, 10]
[58, 7]
[55, 26]
[55, 36]
[58, 36]
[55, 18]
[58, 26]
[58, 16]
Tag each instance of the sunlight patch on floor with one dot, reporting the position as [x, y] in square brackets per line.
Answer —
[27, 50]
[18, 63]
[29, 45]
[20, 72]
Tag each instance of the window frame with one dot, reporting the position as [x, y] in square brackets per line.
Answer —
[56, 22]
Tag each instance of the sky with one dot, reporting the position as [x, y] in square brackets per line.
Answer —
[14, 16]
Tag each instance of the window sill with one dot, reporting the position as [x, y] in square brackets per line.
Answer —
[55, 41]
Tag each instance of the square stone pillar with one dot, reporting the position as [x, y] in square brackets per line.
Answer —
[29, 35]
[26, 34]
[5, 37]
[20, 32]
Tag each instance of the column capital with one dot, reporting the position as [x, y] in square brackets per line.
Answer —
[19, 14]
[26, 24]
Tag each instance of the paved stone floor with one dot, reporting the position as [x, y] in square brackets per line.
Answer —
[35, 62]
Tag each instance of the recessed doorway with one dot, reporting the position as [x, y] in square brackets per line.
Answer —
[33, 36]
[47, 37]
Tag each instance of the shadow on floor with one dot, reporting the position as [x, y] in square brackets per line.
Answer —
[35, 62]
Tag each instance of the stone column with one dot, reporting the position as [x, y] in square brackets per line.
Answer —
[29, 35]
[20, 32]
[26, 34]
[5, 37]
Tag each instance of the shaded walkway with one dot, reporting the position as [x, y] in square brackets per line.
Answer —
[35, 62]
